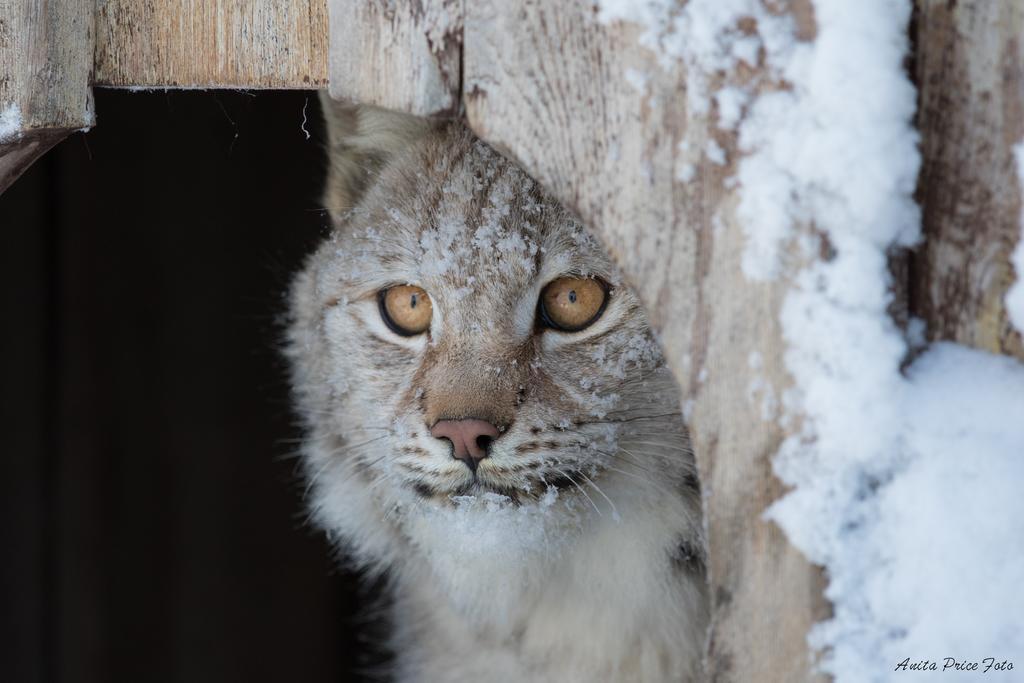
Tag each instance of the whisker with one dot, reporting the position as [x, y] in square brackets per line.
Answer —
[580, 488]
[663, 445]
[629, 419]
[622, 457]
[615, 512]
[294, 454]
[351, 463]
[315, 478]
[593, 446]
[610, 468]
[364, 443]
[654, 479]
[673, 435]
[305, 439]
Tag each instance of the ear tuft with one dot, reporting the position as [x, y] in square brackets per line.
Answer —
[361, 139]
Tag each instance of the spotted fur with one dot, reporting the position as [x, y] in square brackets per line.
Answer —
[576, 553]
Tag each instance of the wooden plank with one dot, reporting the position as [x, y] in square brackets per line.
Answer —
[45, 59]
[558, 91]
[211, 43]
[969, 68]
[398, 55]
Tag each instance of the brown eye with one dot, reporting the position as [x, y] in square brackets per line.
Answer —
[570, 304]
[406, 309]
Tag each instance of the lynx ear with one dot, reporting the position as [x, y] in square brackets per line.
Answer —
[360, 141]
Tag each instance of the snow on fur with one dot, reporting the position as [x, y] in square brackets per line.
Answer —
[905, 484]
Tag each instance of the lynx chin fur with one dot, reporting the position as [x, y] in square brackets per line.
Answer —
[490, 422]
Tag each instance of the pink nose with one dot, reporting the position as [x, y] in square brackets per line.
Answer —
[469, 438]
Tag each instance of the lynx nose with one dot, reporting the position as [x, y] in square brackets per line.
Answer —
[470, 438]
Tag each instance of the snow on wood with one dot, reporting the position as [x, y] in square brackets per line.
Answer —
[618, 118]
[45, 59]
[211, 43]
[403, 56]
[900, 478]
[10, 123]
[920, 523]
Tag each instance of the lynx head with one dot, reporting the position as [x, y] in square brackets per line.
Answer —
[460, 344]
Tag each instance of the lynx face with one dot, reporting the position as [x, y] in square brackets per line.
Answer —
[459, 338]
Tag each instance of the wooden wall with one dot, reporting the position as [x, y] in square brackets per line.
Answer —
[211, 43]
[969, 68]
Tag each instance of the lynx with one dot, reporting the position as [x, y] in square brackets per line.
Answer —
[489, 420]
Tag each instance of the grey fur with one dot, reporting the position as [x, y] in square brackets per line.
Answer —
[577, 573]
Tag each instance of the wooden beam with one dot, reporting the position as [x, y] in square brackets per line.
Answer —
[969, 69]
[604, 124]
[45, 60]
[211, 43]
[398, 55]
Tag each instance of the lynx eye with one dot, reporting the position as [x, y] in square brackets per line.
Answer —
[406, 309]
[571, 304]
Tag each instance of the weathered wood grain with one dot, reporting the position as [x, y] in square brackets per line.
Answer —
[558, 91]
[970, 73]
[211, 43]
[402, 55]
[45, 61]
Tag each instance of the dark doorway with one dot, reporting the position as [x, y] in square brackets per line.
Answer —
[152, 522]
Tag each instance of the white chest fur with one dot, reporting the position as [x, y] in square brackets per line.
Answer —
[549, 595]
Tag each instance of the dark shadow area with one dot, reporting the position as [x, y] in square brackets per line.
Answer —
[150, 521]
